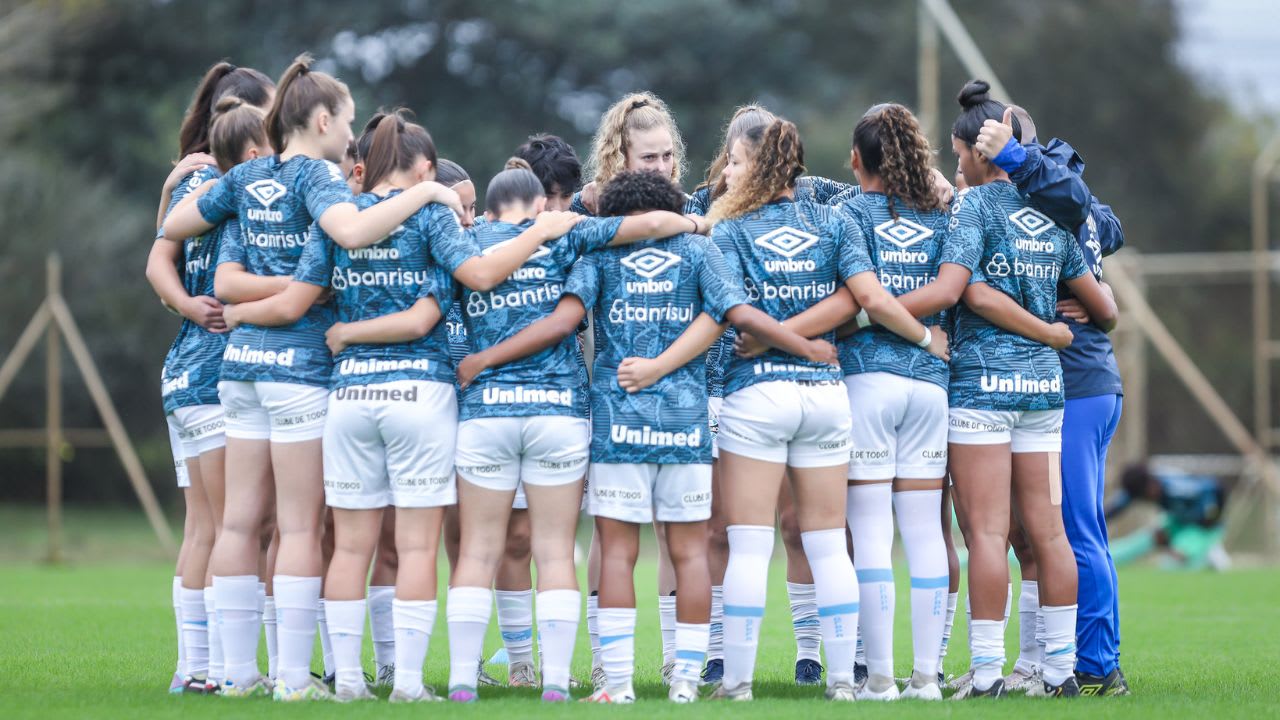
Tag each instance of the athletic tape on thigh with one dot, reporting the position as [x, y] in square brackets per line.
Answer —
[1055, 478]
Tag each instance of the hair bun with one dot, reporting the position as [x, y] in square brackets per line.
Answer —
[516, 163]
[226, 104]
[975, 93]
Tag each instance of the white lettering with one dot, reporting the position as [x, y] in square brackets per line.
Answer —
[522, 395]
[245, 354]
[812, 291]
[648, 436]
[622, 311]
[352, 366]
[1021, 385]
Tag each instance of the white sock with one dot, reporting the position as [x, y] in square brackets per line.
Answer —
[804, 621]
[618, 645]
[175, 595]
[745, 590]
[195, 633]
[927, 559]
[986, 637]
[345, 622]
[217, 672]
[326, 645]
[870, 513]
[1028, 607]
[297, 605]
[1040, 633]
[558, 613]
[269, 630]
[412, 622]
[515, 621]
[381, 626]
[691, 650]
[236, 600]
[953, 599]
[860, 655]
[1059, 643]
[593, 628]
[715, 638]
[667, 621]
[1008, 604]
[836, 587]
[468, 613]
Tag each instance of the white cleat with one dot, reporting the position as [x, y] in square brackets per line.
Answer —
[742, 693]
[921, 687]
[623, 695]
[520, 674]
[962, 684]
[683, 692]
[426, 694]
[878, 687]
[1021, 681]
[353, 693]
[843, 691]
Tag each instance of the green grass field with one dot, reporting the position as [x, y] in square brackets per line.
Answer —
[95, 638]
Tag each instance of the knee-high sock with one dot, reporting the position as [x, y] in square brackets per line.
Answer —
[715, 641]
[195, 633]
[745, 590]
[558, 612]
[618, 645]
[412, 621]
[382, 627]
[836, 587]
[176, 598]
[468, 611]
[1060, 643]
[515, 622]
[870, 513]
[667, 622]
[1028, 608]
[236, 600]
[804, 621]
[217, 671]
[927, 559]
[297, 607]
[345, 622]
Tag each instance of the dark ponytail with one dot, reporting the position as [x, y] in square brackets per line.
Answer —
[978, 107]
[450, 173]
[396, 145]
[892, 146]
[219, 81]
[515, 185]
[298, 93]
[778, 161]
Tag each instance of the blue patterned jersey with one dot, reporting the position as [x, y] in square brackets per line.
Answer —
[276, 203]
[193, 363]
[907, 253]
[1024, 254]
[457, 329]
[414, 262]
[791, 255]
[644, 296]
[546, 383]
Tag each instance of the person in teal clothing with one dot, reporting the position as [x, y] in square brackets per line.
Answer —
[1188, 532]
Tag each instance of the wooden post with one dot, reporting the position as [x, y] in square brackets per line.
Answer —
[53, 415]
[927, 76]
[1263, 354]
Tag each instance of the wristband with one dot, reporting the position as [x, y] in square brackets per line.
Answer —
[1011, 156]
[927, 340]
[863, 318]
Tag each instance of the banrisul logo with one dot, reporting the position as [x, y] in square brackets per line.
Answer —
[1030, 221]
[998, 266]
[788, 242]
[903, 232]
[266, 191]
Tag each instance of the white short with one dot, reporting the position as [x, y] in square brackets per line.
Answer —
[637, 492]
[391, 444]
[713, 422]
[200, 428]
[503, 452]
[802, 425]
[179, 456]
[899, 427]
[1026, 431]
[279, 412]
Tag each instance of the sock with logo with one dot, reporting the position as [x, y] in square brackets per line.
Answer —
[558, 613]
[236, 600]
[745, 590]
[195, 633]
[667, 622]
[468, 610]
[1059, 643]
[804, 621]
[618, 645]
[297, 608]
[515, 621]
[836, 586]
[927, 559]
[382, 626]
[691, 650]
[413, 621]
[870, 513]
[345, 622]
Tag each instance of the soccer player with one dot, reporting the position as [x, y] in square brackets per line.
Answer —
[1006, 401]
[780, 414]
[524, 423]
[190, 375]
[274, 380]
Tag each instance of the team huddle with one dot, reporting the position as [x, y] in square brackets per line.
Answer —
[365, 366]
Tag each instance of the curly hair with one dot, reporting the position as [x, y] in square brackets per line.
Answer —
[636, 112]
[744, 118]
[554, 161]
[892, 147]
[632, 191]
[777, 160]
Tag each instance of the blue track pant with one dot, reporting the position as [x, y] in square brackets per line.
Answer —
[1088, 425]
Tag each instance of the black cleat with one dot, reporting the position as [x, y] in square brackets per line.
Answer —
[860, 674]
[995, 691]
[1068, 688]
[1113, 685]
[808, 672]
[713, 672]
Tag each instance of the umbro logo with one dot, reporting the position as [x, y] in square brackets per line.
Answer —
[542, 250]
[1031, 221]
[903, 232]
[787, 241]
[266, 191]
[650, 262]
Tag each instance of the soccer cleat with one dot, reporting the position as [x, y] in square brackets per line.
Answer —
[995, 691]
[808, 672]
[260, 687]
[622, 695]
[1113, 685]
[1020, 681]
[199, 686]
[683, 691]
[713, 672]
[353, 693]
[313, 690]
[1067, 688]
[742, 693]
[427, 694]
[922, 688]
[860, 674]
[177, 684]
[485, 678]
[962, 685]
[520, 674]
[667, 670]
[463, 694]
[551, 693]
[842, 691]
[330, 680]
[878, 687]
[598, 678]
[386, 677]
